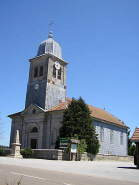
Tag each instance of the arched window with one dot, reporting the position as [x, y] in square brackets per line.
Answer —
[59, 74]
[54, 71]
[41, 71]
[101, 134]
[34, 129]
[53, 138]
[35, 72]
[111, 136]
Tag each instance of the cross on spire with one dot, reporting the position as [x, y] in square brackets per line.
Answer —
[51, 25]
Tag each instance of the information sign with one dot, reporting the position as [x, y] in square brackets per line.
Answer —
[73, 148]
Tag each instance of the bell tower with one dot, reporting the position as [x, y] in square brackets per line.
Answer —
[47, 76]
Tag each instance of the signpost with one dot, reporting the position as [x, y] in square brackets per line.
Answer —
[73, 145]
[63, 143]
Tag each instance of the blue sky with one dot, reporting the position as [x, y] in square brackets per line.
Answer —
[99, 40]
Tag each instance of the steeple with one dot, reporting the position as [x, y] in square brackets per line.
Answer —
[50, 46]
[47, 77]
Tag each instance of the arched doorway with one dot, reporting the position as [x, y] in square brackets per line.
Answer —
[33, 137]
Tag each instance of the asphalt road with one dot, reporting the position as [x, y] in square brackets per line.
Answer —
[37, 171]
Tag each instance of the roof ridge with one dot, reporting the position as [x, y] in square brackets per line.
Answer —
[107, 113]
[114, 116]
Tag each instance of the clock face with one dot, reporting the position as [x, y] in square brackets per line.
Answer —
[36, 86]
[57, 65]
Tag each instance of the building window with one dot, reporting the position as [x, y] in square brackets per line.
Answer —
[34, 129]
[54, 71]
[59, 74]
[111, 136]
[121, 138]
[36, 72]
[101, 134]
[41, 71]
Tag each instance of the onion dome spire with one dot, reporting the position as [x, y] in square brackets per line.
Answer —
[50, 35]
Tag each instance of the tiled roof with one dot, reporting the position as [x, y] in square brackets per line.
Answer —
[135, 136]
[96, 113]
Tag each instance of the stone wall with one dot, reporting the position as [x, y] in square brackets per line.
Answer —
[50, 154]
[55, 154]
[105, 157]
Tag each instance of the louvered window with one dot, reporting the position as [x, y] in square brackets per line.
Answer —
[41, 71]
[35, 72]
[59, 74]
[54, 71]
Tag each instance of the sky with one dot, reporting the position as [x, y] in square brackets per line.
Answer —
[99, 40]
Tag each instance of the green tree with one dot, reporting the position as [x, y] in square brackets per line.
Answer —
[131, 147]
[77, 122]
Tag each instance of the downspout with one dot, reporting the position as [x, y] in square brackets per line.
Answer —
[50, 130]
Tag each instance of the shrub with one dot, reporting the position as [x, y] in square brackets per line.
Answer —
[27, 152]
[82, 146]
[1, 151]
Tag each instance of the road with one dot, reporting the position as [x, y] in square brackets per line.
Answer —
[37, 171]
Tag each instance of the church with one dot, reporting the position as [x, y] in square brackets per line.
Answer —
[39, 122]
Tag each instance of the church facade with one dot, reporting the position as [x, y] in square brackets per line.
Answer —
[39, 122]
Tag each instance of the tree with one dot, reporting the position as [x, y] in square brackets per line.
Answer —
[77, 121]
[131, 147]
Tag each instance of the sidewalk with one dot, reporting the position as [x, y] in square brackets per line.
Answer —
[125, 171]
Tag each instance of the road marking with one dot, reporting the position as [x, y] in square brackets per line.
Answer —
[66, 184]
[28, 176]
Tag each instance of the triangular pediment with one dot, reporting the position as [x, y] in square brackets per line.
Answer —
[32, 109]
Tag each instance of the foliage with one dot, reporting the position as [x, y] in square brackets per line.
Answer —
[3, 146]
[57, 142]
[1, 151]
[82, 146]
[131, 147]
[77, 121]
[132, 150]
[18, 182]
[27, 152]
